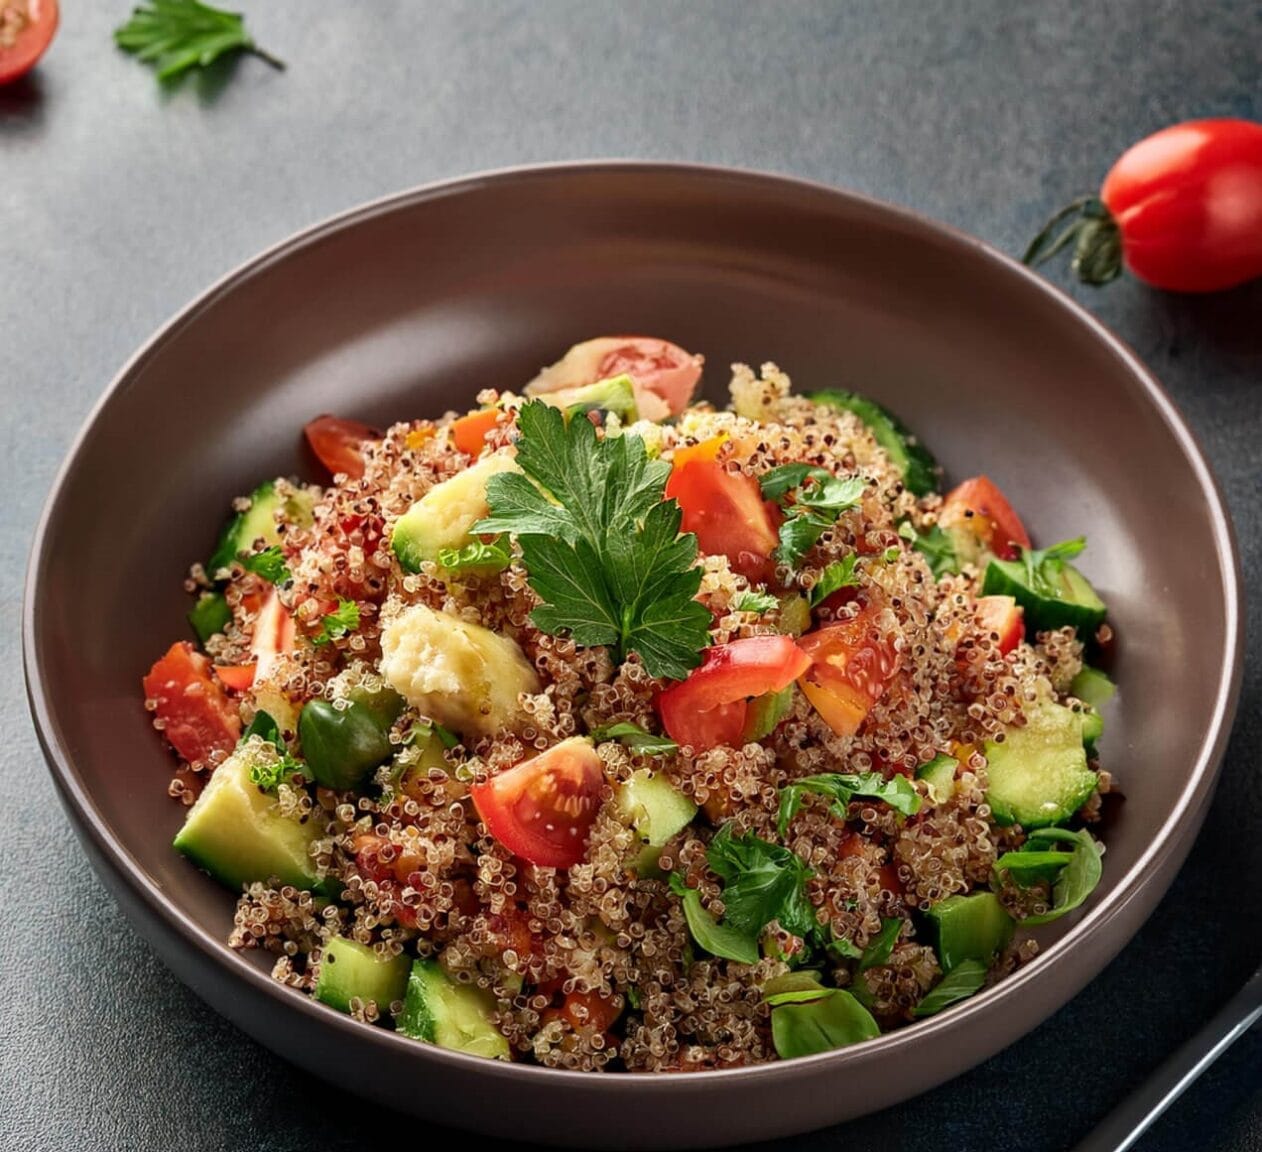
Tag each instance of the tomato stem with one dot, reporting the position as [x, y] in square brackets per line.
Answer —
[1092, 231]
[275, 61]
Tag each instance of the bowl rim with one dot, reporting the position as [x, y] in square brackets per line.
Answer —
[1194, 796]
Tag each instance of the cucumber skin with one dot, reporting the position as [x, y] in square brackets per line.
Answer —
[1012, 764]
[1042, 613]
[382, 981]
[913, 459]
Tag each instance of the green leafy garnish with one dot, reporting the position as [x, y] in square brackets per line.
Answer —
[1043, 566]
[840, 574]
[881, 945]
[832, 1019]
[897, 791]
[755, 602]
[424, 729]
[602, 547]
[718, 939]
[960, 983]
[793, 988]
[636, 738]
[493, 556]
[634, 999]
[844, 948]
[761, 882]
[210, 614]
[1076, 880]
[341, 621]
[935, 545]
[269, 773]
[269, 563]
[176, 35]
[812, 499]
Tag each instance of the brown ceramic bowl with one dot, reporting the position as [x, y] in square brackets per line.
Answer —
[408, 307]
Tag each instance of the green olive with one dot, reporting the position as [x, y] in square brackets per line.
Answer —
[343, 745]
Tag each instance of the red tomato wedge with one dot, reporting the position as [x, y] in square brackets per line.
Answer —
[665, 375]
[709, 708]
[542, 809]
[978, 509]
[851, 665]
[469, 432]
[274, 632]
[726, 511]
[198, 717]
[1003, 616]
[338, 443]
[26, 30]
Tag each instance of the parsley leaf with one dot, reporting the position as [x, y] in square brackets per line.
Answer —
[762, 882]
[492, 557]
[343, 619]
[935, 545]
[268, 771]
[601, 546]
[1043, 566]
[812, 499]
[840, 574]
[755, 602]
[176, 35]
[898, 792]
[636, 738]
[269, 563]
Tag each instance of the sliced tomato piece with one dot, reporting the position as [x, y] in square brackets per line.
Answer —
[1003, 616]
[709, 709]
[238, 677]
[274, 633]
[542, 809]
[852, 664]
[338, 443]
[977, 510]
[728, 514]
[662, 371]
[469, 432]
[26, 30]
[198, 718]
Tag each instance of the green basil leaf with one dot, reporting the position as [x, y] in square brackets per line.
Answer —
[1079, 877]
[718, 939]
[882, 944]
[822, 1025]
[961, 982]
[636, 738]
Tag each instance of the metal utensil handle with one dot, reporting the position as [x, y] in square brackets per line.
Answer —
[1122, 1127]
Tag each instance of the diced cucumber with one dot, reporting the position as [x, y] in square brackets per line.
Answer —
[1060, 595]
[765, 712]
[972, 927]
[237, 834]
[939, 773]
[353, 971]
[1092, 687]
[1039, 776]
[1092, 729]
[656, 810]
[210, 614]
[258, 522]
[439, 1011]
[917, 465]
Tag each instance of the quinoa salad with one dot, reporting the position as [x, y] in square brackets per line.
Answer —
[603, 729]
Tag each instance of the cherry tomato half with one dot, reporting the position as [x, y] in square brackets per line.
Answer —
[198, 718]
[542, 809]
[1182, 208]
[665, 375]
[337, 443]
[979, 510]
[26, 29]
[851, 665]
[709, 708]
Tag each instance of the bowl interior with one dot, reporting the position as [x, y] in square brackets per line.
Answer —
[424, 301]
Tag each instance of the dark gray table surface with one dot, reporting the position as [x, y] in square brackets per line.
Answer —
[118, 204]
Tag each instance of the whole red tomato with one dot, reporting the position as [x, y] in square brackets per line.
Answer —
[1182, 209]
[26, 29]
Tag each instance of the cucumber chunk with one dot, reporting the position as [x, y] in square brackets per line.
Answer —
[765, 713]
[940, 775]
[439, 1011]
[258, 522]
[917, 465]
[236, 833]
[1092, 687]
[350, 970]
[656, 810]
[210, 614]
[1039, 776]
[972, 927]
[1058, 595]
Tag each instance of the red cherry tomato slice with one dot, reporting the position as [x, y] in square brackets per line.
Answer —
[198, 718]
[542, 809]
[1003, 616]
[709, 708]
[26, 29]
[979, 508]
[728, 514]
[665, 375]
[851, 665]
[337, 443]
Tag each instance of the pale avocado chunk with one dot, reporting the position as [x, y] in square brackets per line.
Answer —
[972, 927]
[236, 832]
[353, 971]
[439, 1011]
[1038, 775]
[258, 522]
[656, 810]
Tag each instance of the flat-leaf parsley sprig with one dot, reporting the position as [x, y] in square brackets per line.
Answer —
[176, 35]
[812, 499]
[600, 544]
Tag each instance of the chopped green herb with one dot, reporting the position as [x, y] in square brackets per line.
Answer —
[602, 547]
[840, 574]
[268, 772]
[793, 988]
[175, 35]
[634, 1000]
[844, 948]
[961, 982]
[269, 563]
[718, 939]
[891, 554]
[761, 882]
[636, 738]
[1043, 566]
[935, 545]
[897, 791]
[881, 945]
[755, 602]
[341, 621]
[812, 499]
[494, 556]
